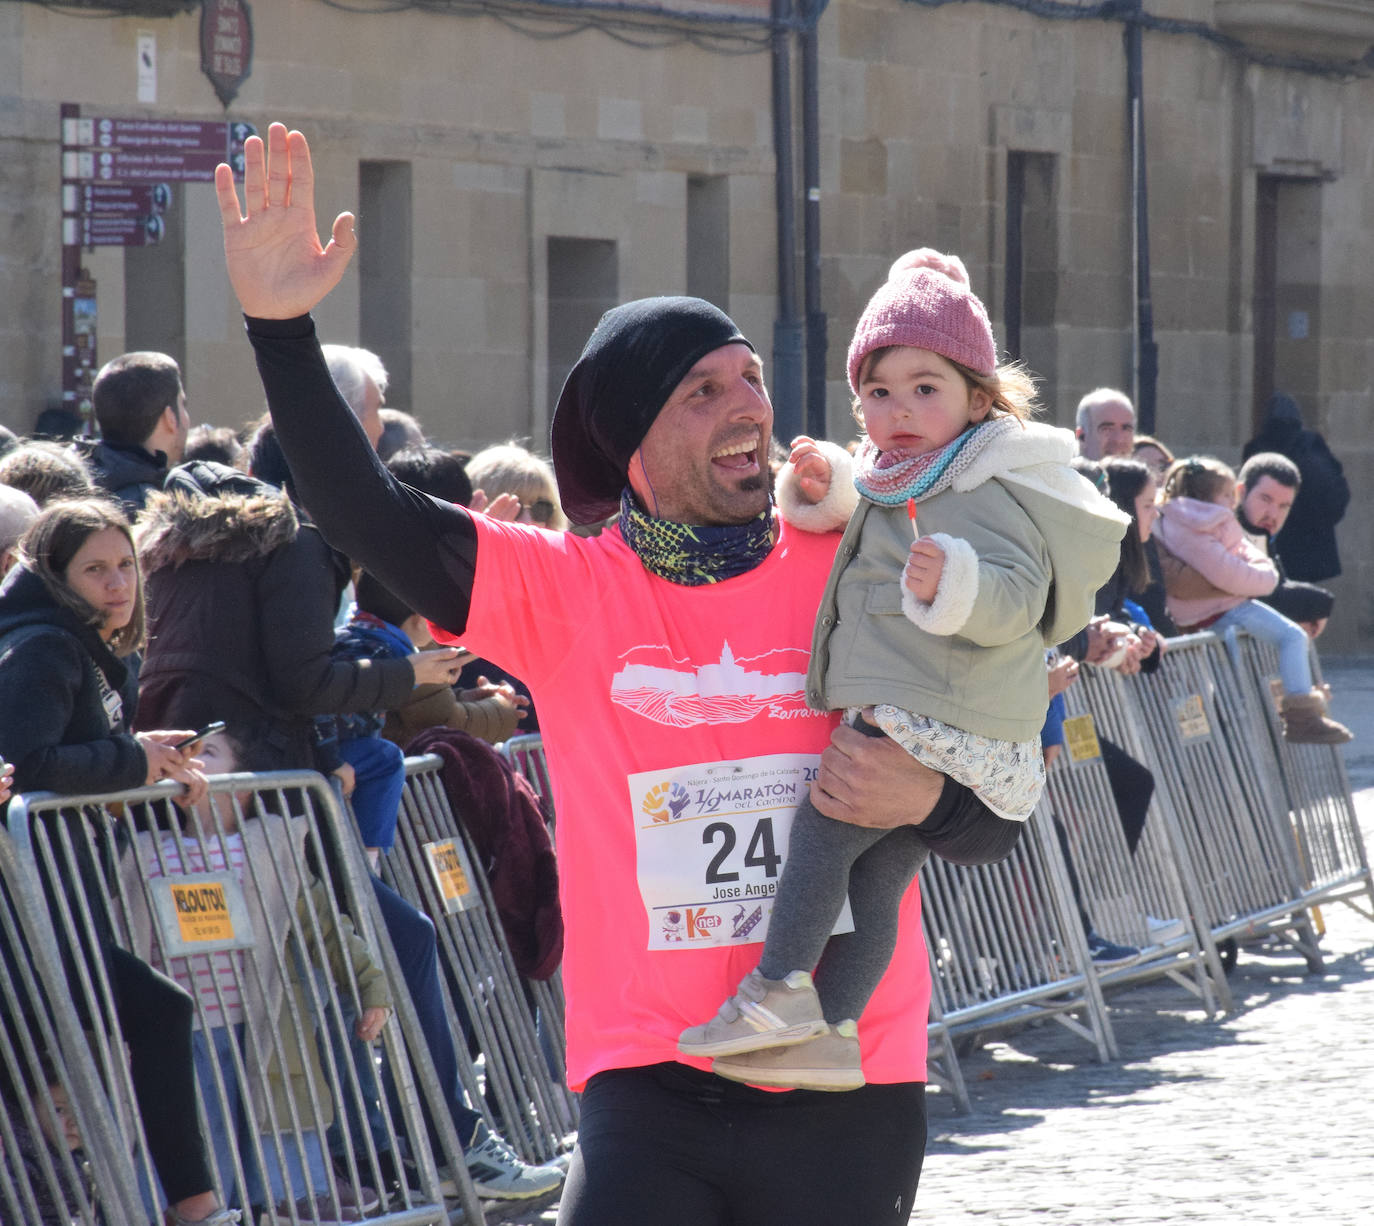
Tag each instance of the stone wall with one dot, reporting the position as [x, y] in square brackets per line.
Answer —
[927, 116]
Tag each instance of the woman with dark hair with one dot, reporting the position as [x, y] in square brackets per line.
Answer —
[71, 617]
[1132, 486]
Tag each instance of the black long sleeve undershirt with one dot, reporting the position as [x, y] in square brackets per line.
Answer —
[425, 551]
[422, 549]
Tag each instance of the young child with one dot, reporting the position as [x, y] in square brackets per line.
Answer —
[381, 628]
[943, 636]
[57, 1131]
[1212, 571]
[242, 1007]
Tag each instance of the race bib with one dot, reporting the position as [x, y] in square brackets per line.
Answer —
[711, 840]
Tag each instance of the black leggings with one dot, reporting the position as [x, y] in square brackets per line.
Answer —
[676, 1146]
[155, 1016]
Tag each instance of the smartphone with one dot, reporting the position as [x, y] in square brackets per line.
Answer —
[200, 734]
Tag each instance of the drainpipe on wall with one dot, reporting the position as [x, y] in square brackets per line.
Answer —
[787, 329]
[816, 339]
[1145, 353]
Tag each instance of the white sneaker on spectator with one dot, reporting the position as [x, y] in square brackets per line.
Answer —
[220, 1217]
[1162, 930]
[498, 1173]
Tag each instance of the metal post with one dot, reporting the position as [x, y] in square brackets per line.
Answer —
[787, 330]
[816, 324]
[1145, 364]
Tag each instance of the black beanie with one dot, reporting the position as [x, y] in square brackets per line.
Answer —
[635, 357]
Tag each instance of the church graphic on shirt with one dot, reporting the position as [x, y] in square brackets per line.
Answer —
[655, 684]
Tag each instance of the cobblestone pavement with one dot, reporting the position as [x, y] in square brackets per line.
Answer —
[1257, 1118]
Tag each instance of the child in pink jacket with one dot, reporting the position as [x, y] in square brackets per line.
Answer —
[1212, 572]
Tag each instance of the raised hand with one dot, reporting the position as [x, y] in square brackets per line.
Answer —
[504, 506]
[272, 248]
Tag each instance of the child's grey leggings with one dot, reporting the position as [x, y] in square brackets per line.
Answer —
[824, 859]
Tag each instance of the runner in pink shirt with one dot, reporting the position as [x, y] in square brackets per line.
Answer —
[667, 658]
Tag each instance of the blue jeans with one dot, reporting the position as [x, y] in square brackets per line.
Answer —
[304, 1171]
[379, 772]
[1287, 637]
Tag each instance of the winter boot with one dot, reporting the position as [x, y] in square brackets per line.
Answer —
[1305, 721]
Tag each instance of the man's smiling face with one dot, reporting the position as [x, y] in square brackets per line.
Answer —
[704, 460]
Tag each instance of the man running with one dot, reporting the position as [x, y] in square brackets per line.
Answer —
[667, 657]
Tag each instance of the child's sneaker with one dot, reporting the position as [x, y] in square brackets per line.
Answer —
[763, 1013]
[829, 1062]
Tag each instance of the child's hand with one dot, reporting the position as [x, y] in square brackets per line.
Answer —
[811, 469]
[1063, 673]
[371, 1022]
[924, 567]
[347, 777]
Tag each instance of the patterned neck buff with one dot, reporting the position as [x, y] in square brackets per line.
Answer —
[695, 554]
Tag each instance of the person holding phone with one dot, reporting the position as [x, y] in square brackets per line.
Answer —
[71, 619]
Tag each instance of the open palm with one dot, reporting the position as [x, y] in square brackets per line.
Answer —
[272, 246]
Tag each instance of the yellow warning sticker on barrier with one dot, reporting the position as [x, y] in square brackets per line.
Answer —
[1080, 738]
[201, 913]
[1191, 716]
[448, 865]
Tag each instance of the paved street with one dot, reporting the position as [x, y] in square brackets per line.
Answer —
[1262, 1117]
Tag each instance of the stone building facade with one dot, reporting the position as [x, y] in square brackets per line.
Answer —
[510, 187]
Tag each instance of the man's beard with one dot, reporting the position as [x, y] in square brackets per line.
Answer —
[1253, 529]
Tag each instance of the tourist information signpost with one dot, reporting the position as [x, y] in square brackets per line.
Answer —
[116, 185]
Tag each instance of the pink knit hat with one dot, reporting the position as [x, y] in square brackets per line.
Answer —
[926, 303]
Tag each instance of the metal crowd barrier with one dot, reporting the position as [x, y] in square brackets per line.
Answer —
[47, 1172]
[272, 930]
[1332, 862]
[1006, 946]
[517, 1030]
[942, 1061]
[1196, 721]
[1122, 890]
[1245, 836]
[526, 754]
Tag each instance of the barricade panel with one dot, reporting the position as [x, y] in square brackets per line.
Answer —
[515, 1026]
[50, 1169]
[526, 754]
[1128, 895]
[942, 1062]
[1005, 945]
[1332, 859]
[257, 904]
[1193, 720]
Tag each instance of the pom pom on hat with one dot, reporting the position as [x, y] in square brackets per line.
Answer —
[927, 257]
[926, 303]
